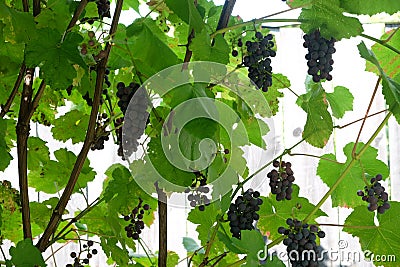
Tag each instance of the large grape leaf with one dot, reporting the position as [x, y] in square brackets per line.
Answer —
[388, 59]
[379, 239]
[122, 193]
[390, 87]
[274, 213]
[328, 17]
[38, 153]
[251, 243]
[345, 194]
[19, 26]
[108, 224]
[19, 254]
[279, 81]
[319, 123]
[53, 176]
[56, 15]
[204, 51]
[72, 125]
[370, 7]
[340, 101]
[55, 58]
[187, 11]
[205, 221]
[4, 149]
[146, 45]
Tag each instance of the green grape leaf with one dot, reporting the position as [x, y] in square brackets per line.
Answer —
[54, 176]
[20, 252]
[390, 87]
[274, 213]
[133, 4]
[340, 101]
[345, 194]
[72, 125]
[191, 246]
[55, 57]
[187, 11]
[328, 17]
[110, 247]
[256, 129]
[172, 259]
[204, 51]
[388, 59]
[279, 81]
[381, 239]
[370, 7]
[319, 125]
[55, 16]
[251, 243]
[19, 26]
[40, 214]
[120, 189]
[144, 35]
[4, 149]
[38, 153]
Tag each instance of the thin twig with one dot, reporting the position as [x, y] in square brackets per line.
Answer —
[313, 156]
[6, 107]
[350, 123]
[39, 94]
[59, 210]
[384, 43]
[353, 153]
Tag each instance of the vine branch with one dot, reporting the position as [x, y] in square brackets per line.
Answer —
[22, 131]
[162, 228]
[59, 209]
[6, 107]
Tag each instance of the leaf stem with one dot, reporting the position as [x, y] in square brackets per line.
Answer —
[313, 156]
[210, 242]
[145, 251]
[381, 42]
[349, 226]
[350, 123]
[347, 169]
[353, 152]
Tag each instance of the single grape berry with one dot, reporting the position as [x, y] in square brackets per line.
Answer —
[235, 53]
[73, 254]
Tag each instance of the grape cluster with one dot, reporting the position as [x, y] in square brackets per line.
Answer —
[101, 133]
[135, 218]
[118, 131]
[135, 121]
[375, 195]
[243, 212]
[281, 180]
[103, 8]
[319, 56]
[258, 59]
[300, 242]
[79, 261]
[125, 94]
[197, 197]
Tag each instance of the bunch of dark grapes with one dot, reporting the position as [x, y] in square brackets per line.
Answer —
[243, 212]
[319, 56]
[197, 197]
[101, 133]
[375, 195]
[136, 224]
[125, 94]
[118, 131]
[103, 8]
[135, 121]
[78, 261]
[258, 60]
[281, 180]
[301, 243]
